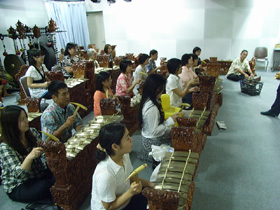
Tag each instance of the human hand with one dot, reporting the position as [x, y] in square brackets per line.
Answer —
[135, 188]
[70, 121]
[246, 76]
[35, 153]
[174, 116]
[151, 185]
[139, 80]
[194, 89]
[45, 84]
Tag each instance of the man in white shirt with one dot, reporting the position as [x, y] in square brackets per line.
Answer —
[240, 68]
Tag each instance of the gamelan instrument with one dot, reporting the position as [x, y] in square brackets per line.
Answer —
[73, 163]
[87, 134]
[176, 174]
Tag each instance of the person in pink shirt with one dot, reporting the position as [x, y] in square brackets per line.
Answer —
[125, 83]
[188, 75]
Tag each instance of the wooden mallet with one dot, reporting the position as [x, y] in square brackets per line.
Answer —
[136, 171]
[78, 107]
[50, 136]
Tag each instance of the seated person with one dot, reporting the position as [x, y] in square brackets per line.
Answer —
[197, 68]
[197, 51]
[151, 66]
[240, 68]
[24, 175]
[109, 188]
[140, 71]
[70, 57]
[103, 90]
[92, 57]
[124, 82]
[174, 85]
[58, 119]
[154, 129]
[37, 81]
[188, 75]
[108, 51]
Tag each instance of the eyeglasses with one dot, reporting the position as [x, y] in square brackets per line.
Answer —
[40, 56]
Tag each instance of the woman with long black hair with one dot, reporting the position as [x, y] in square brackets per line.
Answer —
[24, 175]
[154, 129]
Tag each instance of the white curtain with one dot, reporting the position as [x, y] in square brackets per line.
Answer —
[69, 17]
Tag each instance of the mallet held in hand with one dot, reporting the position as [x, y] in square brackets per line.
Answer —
[50, 136]
[135, 172]
[78, 107]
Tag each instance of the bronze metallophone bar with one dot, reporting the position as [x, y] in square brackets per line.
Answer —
[175, 175]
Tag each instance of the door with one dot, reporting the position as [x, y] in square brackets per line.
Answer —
[96, 29]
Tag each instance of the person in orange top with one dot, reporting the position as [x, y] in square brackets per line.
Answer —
[103, 90]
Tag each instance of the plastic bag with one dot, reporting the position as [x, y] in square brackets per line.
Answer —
[153, 177]
[158, 152]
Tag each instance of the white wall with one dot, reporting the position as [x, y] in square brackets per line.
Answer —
[96, 23]
[29, 12]
[221, 28]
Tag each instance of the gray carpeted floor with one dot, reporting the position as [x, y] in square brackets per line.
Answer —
[239, 167]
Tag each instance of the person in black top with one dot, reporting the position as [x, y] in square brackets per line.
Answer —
[197, 51]
[37, 81]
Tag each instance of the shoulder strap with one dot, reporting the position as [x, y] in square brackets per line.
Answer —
[42, 75]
